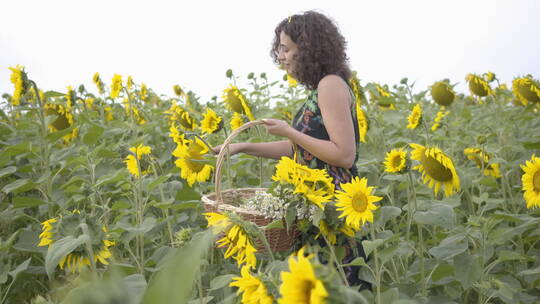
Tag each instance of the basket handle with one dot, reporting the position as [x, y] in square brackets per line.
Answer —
[224, 151]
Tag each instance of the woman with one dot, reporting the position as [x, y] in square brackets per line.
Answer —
[324, 133]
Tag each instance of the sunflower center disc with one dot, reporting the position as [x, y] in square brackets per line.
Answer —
[397, 162]
[436, 170]
[235, 103]
[307, 288]
[536, 181]
[61, 122]
[359, 202]
[195, 166]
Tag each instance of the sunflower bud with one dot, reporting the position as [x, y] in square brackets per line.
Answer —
[178, 90]
[442, 93]
[481, 139]
[229, 73]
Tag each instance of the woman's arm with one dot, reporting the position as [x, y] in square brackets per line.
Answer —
[273, 149]
[334, 102]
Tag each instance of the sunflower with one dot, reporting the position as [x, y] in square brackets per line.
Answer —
[415, 117]
[396, 161]
[236, 101]
[383, 98]
[70, 96]
[211, 122]
[316, 195]
[531, 182]
[109, 116]
[314, 184]
[45, 238]
[285, 171]
[382, 92]
[178, 138]
[477, 155]
[285, 114]
[63, 120]
[52, 230]
[300, 285]
[493, 170]
[217, 221]
[132, 111]
[143, 92]
[478, 86]
[356, 202]
[116, 86]
[359, 96]
[99, 83]
[89, 103]
[437, 169]
[237, 241]
[133, 160]
[440, 115]
[178, 114]
[291, 81]
[18, 78]
[442, 93]
[252, 288]
[327, 231]
[363, 124]
[526, 89]
[129, 83]
[481, 159]
[191, 161]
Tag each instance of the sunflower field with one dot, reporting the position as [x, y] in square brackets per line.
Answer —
[101, 194]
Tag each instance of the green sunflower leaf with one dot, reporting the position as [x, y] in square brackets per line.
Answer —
[60, 249]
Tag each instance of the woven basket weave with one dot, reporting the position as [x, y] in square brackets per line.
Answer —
[279, 239]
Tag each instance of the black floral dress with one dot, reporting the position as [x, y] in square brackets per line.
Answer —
[309, 120]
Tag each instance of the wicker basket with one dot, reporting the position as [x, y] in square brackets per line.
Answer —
[279, 239]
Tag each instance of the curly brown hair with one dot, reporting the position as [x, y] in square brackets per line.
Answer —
[321, 47]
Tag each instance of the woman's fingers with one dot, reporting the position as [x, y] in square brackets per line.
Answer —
[216, 149]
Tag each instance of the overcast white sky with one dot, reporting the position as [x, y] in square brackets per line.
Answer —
[193, 43]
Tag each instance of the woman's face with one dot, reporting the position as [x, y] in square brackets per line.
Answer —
[287, 53]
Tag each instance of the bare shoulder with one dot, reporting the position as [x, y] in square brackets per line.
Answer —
[333, 89]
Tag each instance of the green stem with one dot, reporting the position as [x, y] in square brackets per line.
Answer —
[131, 119]
[422, 264]
[420, 236]
[7, 291]
[338, 264]
[140, 211]
[262, 236]
[377, 269]
[200, 287]
[428, 138]
[45, 155]
[165, 210]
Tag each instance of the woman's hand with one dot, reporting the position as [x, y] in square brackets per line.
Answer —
[277, 127]
[233, 148]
